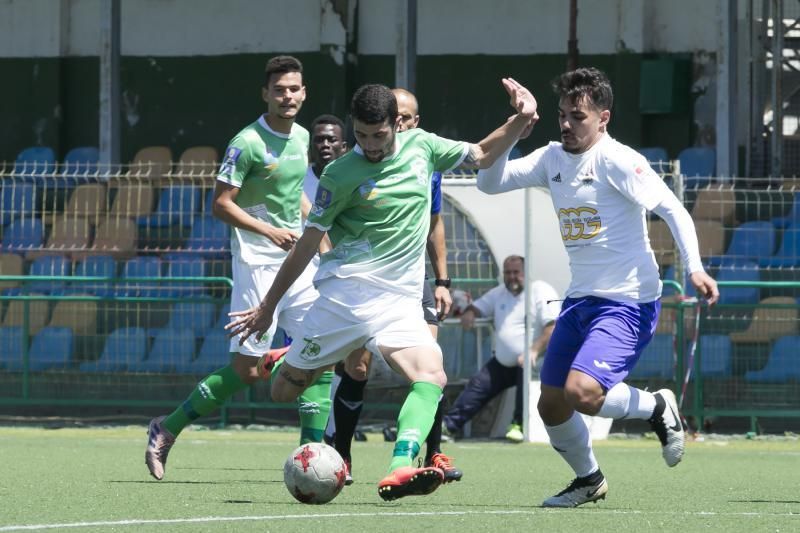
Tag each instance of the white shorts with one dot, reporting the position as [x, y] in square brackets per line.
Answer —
[250, 285]
[350, 314]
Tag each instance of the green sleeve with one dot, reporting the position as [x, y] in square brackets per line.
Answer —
[331, 199]
[445, 153]
[236, 163]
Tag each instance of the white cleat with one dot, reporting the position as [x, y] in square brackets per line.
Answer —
[581, 490]
[668, 427]
[159, 442]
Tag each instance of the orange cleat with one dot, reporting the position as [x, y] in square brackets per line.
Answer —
[267, 362]
[444, 463]
[410, 481]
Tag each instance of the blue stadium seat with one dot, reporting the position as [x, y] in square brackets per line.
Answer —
[657, 359]
[699, 165]
[669, 290]
[123, 347]
[95, 266]
[657, 157]
[750, 242]
[223, 319]
[715, 356]
[17, 200]
[743, 271]
[51, 348]
[12, 342]
[792, 218]
[788, 254]
[214, 354]
[176, 205]
[783, 364]
[36, 165]
[197, 317]
[184, 266]
[210, 237]
[48, 265]
[208, 204]
[171, 348]
[80, 166]
[140, 267]
[23, 234]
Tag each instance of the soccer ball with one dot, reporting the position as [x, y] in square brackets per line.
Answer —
[314, 473]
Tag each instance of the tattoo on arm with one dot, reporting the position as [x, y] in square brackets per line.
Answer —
[471, 159]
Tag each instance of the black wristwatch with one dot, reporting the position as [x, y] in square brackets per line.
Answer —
[442, 282]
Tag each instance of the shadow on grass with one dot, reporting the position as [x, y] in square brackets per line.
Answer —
[764, 501]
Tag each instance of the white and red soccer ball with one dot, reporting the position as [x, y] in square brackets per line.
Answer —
[314, 473]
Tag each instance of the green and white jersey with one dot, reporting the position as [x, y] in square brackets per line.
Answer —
[268, 168]
[377, 214]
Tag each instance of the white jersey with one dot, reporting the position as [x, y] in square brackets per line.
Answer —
[508, 313]
[310, 183]
[600, 198]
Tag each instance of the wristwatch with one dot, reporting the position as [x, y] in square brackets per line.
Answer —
[442, 282]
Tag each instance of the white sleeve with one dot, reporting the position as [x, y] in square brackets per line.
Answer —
[505, 175]
[485, 304]
[682, 227]
[547, 302]
[631, 175]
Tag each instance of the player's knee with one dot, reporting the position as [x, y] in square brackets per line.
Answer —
[586, 400]
[246, 368]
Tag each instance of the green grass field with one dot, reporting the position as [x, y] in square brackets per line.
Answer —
[96, 480]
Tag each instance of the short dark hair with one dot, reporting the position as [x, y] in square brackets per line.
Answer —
[281, 65]
[373, 104]
[327, 119]
[589, 82]
[514, 257]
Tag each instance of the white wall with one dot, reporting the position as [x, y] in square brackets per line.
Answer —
[31, 28]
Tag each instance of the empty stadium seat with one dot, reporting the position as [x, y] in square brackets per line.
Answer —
[198, 164]
[783, 364]
[715, 356]
[711, 237]
[95, 266]
[669, 273]
[214, 353]
[197, 317]
[152, 162]
[51, 349]
[79, 166]
[10, 265]
[23, 235]
[176, 205]
[750, 242]
[788, 254]
[140, 267]
[78, 316]
[69, 235]
[657, 359]
[661, 241]
[743, 271]
[38, 314]
[715, 203]
[657, 157]
[49, 265]
[210, 237]
[770, 323]
[88, 200]
[35, 161]
[132, 200]
[698, 165]
[123, 347]
[184, 266]
[223, 319]
[17, 200]
[171, 348]
[114, 236]
[12, 343]
[792, 218]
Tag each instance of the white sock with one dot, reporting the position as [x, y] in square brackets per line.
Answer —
[571, 439]
[330, 428]
[624, 401]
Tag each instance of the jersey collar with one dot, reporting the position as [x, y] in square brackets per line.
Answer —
[398, 142]
[262, 121]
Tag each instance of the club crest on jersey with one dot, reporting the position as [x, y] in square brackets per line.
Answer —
[367, 190]
[323, 197]
[270, 160]
[229, 163]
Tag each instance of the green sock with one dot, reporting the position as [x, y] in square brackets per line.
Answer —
[211, 392]
[414, 422]
[314, 407]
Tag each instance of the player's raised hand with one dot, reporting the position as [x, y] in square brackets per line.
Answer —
[706, 286]
[255, 321]
[521, 98]
[284, 238]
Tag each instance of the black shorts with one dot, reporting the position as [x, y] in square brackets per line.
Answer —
[429, 304]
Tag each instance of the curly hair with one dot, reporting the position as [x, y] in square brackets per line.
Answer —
[374, 103]
[327, 119]
[281, 65]
[589, 82]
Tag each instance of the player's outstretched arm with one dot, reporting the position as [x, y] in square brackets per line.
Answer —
[488, 150]
[257, 320]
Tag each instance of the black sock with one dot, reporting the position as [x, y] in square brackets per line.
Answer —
[434, 440]
[349, 400]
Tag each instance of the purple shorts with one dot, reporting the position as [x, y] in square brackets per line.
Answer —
[599, 337]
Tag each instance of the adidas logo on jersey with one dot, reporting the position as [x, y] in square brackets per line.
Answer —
[556, 178]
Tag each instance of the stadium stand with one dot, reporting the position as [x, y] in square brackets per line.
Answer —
[79, 166]
[17, 200]
[788, 254]
[114, 236]
[698, 164]
[78, 316]
[69, 235]
[197, 317]
[661, 241]
[171, 347]
[12, 343]
[715, 356]
[750, 242]
[176, 205]
[214, 353]
[711, 236]
[715, 203]
[95, 266]
[132, 200]
[125, 346]
[11, 265]
[38, 314]
[197, 164]
[657, 359]
[152, 162]
[769, 323]
[657, 157]
[143, 266]
[23, 234]
[782, 365]
[50, 349]
[49, 265]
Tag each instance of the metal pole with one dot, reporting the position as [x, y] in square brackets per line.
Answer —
[109, 82]
[572, 42]
[777, 88]
[726, 89]
[529, 306]
[405, 63]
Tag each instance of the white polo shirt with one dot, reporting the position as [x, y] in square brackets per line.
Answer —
[508, 312]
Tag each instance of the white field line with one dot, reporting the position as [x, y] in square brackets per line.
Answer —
[206, 519]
